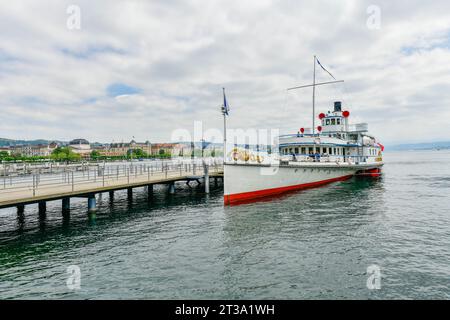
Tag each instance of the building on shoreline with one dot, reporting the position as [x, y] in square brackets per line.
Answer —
[123, 149]
[81, 147]
[149, 149]
[139, 149]
[146, 146]
[6, 149]
[174, 149]
[30, 150]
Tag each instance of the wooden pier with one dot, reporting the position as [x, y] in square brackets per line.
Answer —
[32, 189]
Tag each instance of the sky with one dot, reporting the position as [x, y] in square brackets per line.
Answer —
[111, 71]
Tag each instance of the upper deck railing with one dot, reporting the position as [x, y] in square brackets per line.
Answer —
[357, 127]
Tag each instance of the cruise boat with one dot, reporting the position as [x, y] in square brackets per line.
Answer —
[334, 151]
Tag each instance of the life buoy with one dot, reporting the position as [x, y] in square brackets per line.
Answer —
[235, 154]
[259, 159]
[245, 156]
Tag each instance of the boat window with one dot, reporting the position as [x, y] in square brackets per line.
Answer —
[333, 122]
[296, 150]
[327, 122]
[324, 150]
[329, 150]
[338, 121]
[310, 150]
[334, 150]
[303, 150]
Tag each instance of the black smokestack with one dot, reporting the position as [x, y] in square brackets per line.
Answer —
[337, 106]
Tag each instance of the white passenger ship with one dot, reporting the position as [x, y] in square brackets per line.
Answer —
[337, 151]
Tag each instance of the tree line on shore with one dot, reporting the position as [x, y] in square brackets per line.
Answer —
[65, 154]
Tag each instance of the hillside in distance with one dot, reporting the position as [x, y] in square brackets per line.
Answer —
[420, 146]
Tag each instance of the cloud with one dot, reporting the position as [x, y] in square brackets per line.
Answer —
[147, 68]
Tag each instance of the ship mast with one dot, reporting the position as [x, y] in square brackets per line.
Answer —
[314, 98]
[314, 85]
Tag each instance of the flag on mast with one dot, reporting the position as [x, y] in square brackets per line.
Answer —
[325, 69]
[225, 107]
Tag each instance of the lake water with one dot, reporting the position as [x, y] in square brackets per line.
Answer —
[311, 244]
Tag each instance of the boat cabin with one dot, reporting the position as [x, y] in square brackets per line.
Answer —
[334, 140]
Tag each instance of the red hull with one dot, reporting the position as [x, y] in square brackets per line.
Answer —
[242, 197]
[376, 172]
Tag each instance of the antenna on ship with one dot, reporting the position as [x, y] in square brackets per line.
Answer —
[314, 85]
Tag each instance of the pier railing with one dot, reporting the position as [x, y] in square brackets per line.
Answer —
[38, 185]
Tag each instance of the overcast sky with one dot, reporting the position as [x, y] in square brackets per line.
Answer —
[147, 68]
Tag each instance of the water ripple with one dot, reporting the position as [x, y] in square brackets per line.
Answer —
[312, 244]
